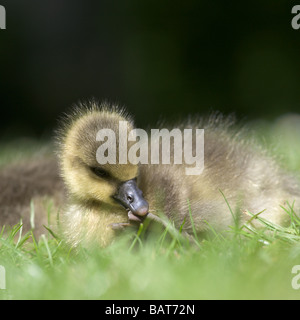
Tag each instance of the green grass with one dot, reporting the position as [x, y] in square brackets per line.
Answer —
[242, 263]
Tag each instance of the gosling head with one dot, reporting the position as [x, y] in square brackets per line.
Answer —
[87, 180]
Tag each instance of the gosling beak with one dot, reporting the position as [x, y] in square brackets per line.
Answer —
[131, 197]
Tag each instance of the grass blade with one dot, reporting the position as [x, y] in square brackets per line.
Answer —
[48, 249]
[193, 224]
[32, 215]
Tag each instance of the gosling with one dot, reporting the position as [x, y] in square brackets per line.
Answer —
[32, 193]
[103, 198]
[98, 195]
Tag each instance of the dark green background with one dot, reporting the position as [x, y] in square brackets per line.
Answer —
[158, 58]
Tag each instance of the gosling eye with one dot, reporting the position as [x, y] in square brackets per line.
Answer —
[100, 172]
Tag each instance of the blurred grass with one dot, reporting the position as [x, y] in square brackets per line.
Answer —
[242, 264]
[21, 149]
[256, 266]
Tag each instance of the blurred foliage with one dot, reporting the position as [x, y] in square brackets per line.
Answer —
[158, 58]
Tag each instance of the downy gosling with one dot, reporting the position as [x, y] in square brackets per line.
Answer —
[103, 198]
